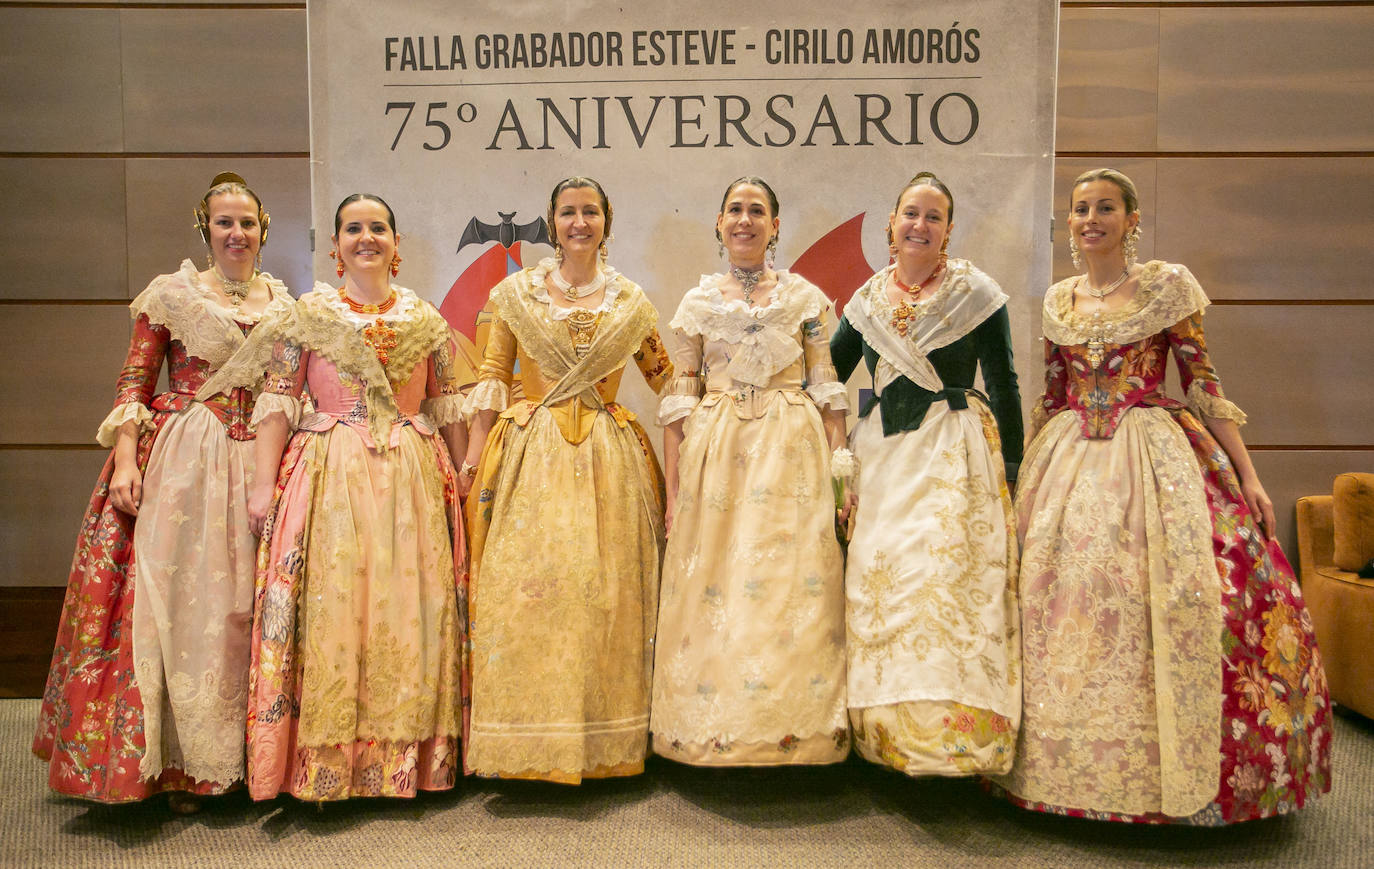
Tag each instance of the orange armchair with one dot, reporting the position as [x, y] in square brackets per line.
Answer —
[1335, 539]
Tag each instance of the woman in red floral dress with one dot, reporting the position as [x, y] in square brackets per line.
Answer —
[148, 686]
[1171, 673]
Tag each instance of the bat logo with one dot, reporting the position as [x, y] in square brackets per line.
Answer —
[507, 232]
[836, 263]
[463, 305]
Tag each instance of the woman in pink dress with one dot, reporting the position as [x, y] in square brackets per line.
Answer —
[1171, 673]
[148, 686]
[354, 686]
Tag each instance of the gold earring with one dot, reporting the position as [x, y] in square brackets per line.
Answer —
[395, 263]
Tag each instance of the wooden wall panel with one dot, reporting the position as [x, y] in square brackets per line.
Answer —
[74, 353]
[72, 212]
[1108, 75]
[212, 81]
[1301, 372]
[1267, 228]
[162, 192]
[38, 529]
[1274, 79]
[1290, 475]
[72, 104]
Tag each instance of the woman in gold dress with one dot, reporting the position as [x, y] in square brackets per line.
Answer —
[567, 526]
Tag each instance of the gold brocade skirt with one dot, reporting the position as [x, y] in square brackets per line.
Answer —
[566, 544]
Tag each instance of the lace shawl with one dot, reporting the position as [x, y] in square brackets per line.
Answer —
[194, 315]
[523, 303]
[764, 338]
[1168, 293]
[314, 323]
[965, 299]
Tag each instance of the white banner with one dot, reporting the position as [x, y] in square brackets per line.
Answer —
[463, 117]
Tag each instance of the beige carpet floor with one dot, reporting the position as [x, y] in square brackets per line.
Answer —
[852, 815]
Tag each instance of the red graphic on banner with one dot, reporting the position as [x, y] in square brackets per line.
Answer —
[836, 262]
[468, 295]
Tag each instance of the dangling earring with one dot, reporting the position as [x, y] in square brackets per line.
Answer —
[395, 263]
[771, 251]
[257, 264]
[720, 245]
[558, 253]
[1074, 255]
[944, 255]
[334, 254]
[604, 249]
[1129, 243]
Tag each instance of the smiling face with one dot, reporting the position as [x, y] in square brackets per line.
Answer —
[1098, 219]
[920, 224]
[365, 239]
[746, 224]
[579, 221]
[235, 234]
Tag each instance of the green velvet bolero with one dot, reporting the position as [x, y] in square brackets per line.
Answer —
[903, 404]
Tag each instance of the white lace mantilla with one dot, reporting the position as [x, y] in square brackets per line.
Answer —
[765, 337]
[965, 298]
[194, 315]
[1168, 293]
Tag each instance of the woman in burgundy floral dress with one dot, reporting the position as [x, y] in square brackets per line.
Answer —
[1171, 674]
[148, 686]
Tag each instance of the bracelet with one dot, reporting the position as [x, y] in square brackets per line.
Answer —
[468, 470]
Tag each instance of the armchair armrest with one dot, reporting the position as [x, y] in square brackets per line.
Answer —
[1315, 533]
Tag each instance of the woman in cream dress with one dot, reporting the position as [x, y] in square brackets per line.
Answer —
[749, 667]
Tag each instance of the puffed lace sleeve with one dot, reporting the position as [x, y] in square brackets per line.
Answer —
[496, 373]
[683, 392]
[137, 380]
[822, 383]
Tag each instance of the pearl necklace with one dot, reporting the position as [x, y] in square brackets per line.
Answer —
[571, 292]
[1110, 288]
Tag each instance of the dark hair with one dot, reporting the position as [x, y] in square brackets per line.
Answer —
[572, 183]
[359, 197]
[927, 179]
[1129, 197]
[755, 181]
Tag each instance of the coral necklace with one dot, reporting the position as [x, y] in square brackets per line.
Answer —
[379, 336]
[904, 313]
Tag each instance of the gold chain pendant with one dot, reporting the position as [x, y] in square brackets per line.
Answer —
[582, 328]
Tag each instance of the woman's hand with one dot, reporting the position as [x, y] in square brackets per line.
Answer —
[259, 505]
[126, 488]
[1258, 502]
[851, 501]
[467, 475]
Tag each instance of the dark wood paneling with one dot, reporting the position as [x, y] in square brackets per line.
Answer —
[28, 629]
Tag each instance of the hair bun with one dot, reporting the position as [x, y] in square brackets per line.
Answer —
[226, 178]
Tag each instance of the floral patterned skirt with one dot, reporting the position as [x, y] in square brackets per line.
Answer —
[91, 726]
[749, 666]
[1124, 675]
[354, 688]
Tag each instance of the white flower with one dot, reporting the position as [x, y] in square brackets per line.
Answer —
[842, 463]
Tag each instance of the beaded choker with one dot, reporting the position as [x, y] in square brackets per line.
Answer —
[360, 308]
[748, 280]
